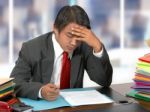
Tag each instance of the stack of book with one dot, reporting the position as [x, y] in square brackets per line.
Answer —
[6, 88]
[141, 87]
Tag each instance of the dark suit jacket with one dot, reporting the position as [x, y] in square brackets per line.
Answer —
[34, 66]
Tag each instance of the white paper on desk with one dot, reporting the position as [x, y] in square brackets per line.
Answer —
[88, 97]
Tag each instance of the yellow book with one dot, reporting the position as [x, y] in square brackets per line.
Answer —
[144, 68]
[142, 63]
[2, 87]
[7, 93]
[5, 80]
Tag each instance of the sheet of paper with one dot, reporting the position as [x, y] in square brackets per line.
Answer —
[88, 97]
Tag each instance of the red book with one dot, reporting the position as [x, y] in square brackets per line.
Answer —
[142, 84]
[145, 58]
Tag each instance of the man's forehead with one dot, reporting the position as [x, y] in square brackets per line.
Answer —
[70, 25]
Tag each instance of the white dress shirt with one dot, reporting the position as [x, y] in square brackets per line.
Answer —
[58, 57]
[55, 79]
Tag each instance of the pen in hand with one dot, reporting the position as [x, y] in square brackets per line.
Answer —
[50, 92]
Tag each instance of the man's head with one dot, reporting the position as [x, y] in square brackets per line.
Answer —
[71, 14]
[68, 17]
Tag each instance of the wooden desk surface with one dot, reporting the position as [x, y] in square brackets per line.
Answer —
[125, 88]
[120, 88]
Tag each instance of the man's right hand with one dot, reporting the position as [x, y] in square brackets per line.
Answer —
[50, 92]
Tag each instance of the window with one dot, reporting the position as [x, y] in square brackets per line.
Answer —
[4, 51]
[120, 24]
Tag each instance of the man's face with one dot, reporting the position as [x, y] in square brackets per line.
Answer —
[65, 38]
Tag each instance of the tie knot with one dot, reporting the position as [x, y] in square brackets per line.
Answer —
[65, 54]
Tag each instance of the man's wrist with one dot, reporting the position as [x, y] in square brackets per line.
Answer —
[98, 47]
[98, 54]
[40, 95]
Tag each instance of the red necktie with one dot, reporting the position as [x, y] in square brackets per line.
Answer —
[65, 72]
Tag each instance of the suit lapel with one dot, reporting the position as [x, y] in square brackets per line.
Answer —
[49, 57]
[75, 64]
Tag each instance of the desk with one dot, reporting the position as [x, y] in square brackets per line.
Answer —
[125, 88]
[115, 91]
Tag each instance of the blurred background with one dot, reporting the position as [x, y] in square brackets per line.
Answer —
[122, 25]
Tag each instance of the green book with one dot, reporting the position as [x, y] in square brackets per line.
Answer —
[140, 71]
[2, 87]
[10, 88]
[141, 96]
[141, 64]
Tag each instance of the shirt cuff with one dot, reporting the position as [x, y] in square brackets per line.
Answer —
[39, 95]
[99, 54]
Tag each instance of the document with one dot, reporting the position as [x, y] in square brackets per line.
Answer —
[88, 97]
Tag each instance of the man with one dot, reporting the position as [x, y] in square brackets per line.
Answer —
[39, 68]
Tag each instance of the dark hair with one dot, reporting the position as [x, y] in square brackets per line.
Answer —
[69, 14]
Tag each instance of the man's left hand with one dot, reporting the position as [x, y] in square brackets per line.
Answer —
[86, 35]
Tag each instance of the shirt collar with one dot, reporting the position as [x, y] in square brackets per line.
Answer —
[57, 48]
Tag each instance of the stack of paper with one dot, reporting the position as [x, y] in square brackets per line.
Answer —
[76, 98]
[6, 87]
[141, 88]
